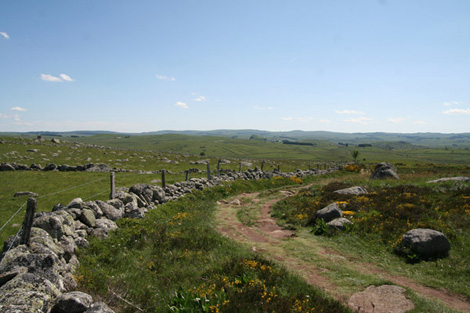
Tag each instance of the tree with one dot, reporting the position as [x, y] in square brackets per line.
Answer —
[355, 155]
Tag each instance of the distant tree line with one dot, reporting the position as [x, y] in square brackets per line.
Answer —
[288, 142]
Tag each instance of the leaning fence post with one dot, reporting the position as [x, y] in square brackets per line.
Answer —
[28, 221]
[113, 186]
[208, 171]
[163, 179]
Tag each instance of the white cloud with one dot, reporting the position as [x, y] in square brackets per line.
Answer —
[350, 112]
[298, 119]
[200, 99]
[163, 77]
[5, 35]
[19, 109]
[325, 121]
[359, 120]
[260, 108]
[457, 111]
[66, 77]
[289, 118]
[50, 78]
[55, 79]
[181, 105]
[419, 122]
[396, 120]
[452, 103]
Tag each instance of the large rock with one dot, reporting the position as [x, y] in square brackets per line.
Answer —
[88, 218]
[353, 191]
[99, 168]
[6, 167]
[109, 211]
[384, 170]
[53, 224]
[445, 179]
[329, 212]
[382, 299]
[339, 223]
[72, 302]
[426, 243]
[27, 293]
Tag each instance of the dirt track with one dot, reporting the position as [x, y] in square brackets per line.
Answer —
[265, 236]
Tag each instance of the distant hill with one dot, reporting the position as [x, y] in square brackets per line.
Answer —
[457, 140]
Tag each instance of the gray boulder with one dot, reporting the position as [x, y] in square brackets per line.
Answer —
[384, 170]
[445, 179]
[382, 299]
[25, 193]
[339, 223]
[72, 302]
[109, 211]
[88, 218]
[329, 212]
[426, 243]
[27, 293]
[75, 203]
[6, 167]
[53, 224]
[353, 191]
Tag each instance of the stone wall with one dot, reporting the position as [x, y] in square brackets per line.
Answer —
[39, 277]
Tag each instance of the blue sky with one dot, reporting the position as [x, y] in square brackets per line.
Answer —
[135, 66]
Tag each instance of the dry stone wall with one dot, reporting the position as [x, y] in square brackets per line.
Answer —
[39, 277]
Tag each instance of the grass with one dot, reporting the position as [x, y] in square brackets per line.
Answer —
[389, 210]
[175, 261]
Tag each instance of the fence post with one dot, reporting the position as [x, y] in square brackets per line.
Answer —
[262, 165]
[240, 167]
[113, 186]
[218, 167]
[208, 171]
[28, 221]
[163, 179]
[278, 168]
[187, 175]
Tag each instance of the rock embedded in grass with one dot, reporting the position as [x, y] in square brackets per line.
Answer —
[382, 299]
[329, 212]
[384, 170]
[445, 179]
[353, 191]
[426, 243]
[339, 223]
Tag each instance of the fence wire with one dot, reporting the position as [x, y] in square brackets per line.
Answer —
[14, 214]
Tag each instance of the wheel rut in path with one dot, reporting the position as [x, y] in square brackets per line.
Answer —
[265, 235]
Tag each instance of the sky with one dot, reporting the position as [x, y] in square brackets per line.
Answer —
[398, 66]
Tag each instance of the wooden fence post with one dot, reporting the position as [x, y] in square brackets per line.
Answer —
[187, 175]
[240, 167]
[208, 171]
[28, 221]
[113, 186]
[262, 165]
[218, 167]
[278, 168]
[163, 179]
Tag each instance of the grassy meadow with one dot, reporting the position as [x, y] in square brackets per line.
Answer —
[175, 261]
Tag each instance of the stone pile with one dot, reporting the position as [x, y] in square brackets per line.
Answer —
[39, 277]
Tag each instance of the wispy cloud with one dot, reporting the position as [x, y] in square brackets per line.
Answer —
[66, 77]
[200, 99]
[359, 120]
[19, 109]
[260, 108]
[419, 122]
[325, 121]
[452, 103]
[350, 112]
[163, 77]
[289, 118]
[396, 120]
[55, 79]
[181, 105]
[457, 112]
[5, 35]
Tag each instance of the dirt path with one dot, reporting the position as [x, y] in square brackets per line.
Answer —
[265, 237]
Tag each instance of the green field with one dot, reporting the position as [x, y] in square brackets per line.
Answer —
[175, 261]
